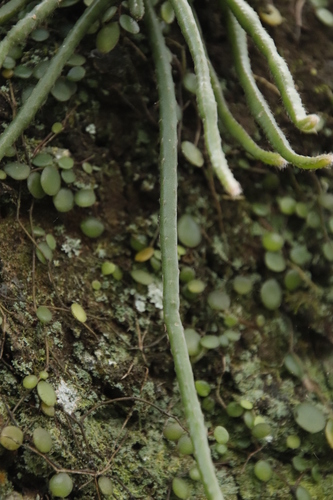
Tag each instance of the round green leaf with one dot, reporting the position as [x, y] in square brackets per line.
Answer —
[44, 252]
[11, 437]
[310, 418]
[300, 255]
[192, 339]
[42, 440]
[44, 314]
[61, 485]
[76, 60]
[221, 434]
[66, 162]
[76, 74]
[41, 69]
[46, 393]
[189, 233]
[210, 341]
[68, 176]
[167, 12]
[105, 485]
[292, 280]
[273, 242]
[180, 488]
[50, 240]
[185, 445]
[203, 388]
[142, 277]
[62, 91]
[107, 38]
[17, 171]
[129, 24]
[275, 261]
[23, 72]
[85, 197]
[30, 382]
[263, 470]
[35, 186]
[42, 160]
[172, 430]
[40, 35]
[64, 200]
[271, 294]
[92, 227]
[242, 285]
[218, 300]
[50, 180]
[78, 312]
[192, 153]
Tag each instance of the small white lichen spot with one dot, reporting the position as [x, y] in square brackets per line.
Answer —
[71, 246]
[155, 295]
[140, 303]
[91, 129]
[60, 153]
[67, 397]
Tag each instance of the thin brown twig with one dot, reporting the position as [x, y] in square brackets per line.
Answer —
[141, 339]
[47, 354]
[210, 180]
[131, 398]
[52, 135]
[298, 17]
[219, 383]
[250, 456]
[3, 327]
[33, 270]
[270, 86]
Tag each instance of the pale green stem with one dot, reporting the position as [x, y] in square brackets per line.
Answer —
[231, 124]
[205, 96]
[11, 8]
[25, 26]
[45, 84]
[168, 238]
[238, 132]
[259, 107]
[250, 22]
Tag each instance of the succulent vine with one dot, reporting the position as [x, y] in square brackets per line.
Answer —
[242, 22]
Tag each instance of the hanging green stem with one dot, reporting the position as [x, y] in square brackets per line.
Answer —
[238, 132]
[235, 129]
[250, 22]
[259, 107]
[24, 27]
[11, 8]
[168, 236]
[45, 84]
[205, 96]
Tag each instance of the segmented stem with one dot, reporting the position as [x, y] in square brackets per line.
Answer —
[259, 107]
[205, 96]
[168, 238]
[250, 22]
[11, 8]
[45, 84]
[25, 26]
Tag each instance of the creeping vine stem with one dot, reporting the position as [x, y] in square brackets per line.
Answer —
[168, 236]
